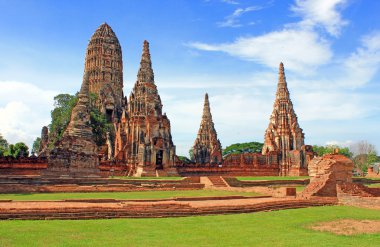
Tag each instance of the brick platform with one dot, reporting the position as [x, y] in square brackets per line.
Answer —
[160, 208]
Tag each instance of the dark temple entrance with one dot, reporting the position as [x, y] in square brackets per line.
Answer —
[109, 113]
[159, 155]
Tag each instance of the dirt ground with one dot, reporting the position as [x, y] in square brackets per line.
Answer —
[348, 227]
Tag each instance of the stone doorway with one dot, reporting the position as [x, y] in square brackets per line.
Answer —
[159, 155]
[109, 113]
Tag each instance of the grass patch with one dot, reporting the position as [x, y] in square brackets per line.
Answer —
[278, 228]
[373, 185]
[147, 178]
[270, 178]
[123, 195]
[300, 188]
[369, 178]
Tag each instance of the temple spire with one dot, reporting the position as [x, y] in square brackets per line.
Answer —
[206, 109]
[145, 73]
[207, 148]
[283, 133]
[282, 88]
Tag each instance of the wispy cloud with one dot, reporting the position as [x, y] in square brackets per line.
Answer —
[323, 13]
[300, 45]
[301, 50]
[230, 2]
[233, 19]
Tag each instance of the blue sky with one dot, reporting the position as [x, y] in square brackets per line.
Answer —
[228, 48]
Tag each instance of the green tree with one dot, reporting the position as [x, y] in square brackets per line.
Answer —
[365, 155]
[329, 149]
[191, 154]
[98, 121]
[36, 145]
[3, 145]
[21, 150]
[248, 147]
[17, 150]
[60, 116]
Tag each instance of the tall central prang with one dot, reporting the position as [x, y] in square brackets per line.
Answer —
[104, 64]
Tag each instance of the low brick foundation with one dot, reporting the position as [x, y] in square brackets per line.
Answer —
[234, 182]
[125, 209]
[228, 171]
[36, 184]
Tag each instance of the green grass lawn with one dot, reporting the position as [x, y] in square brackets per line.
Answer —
[278, 228]
[148, 178]
[367, 178]
[373, 185]
[123, 195]
[270, 178]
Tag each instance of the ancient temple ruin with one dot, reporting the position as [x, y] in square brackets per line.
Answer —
[42, 152]
[104, 64]
[141, 143]
[284, 135]
[75, 155]
[143, 136]
[207, 148]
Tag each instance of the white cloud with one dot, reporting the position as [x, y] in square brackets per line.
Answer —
[233, 19]
[334, 105]
[346, 143]
[324, 13]
[24, 109]
[362, 65]
[300, 50]
[230, 1]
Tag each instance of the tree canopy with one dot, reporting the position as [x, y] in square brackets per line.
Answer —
[60, 118]
[3, 145]
[247, 147]
[36, 145]
[329, 149]
[98, 121]
[17, 150]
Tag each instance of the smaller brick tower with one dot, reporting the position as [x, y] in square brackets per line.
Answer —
[283, 134]
[76, 154]
[143, 137]
[207, 148]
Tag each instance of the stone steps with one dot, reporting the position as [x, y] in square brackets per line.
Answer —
[218, 181]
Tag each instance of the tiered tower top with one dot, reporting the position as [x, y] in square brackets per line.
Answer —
[145, 73]
[283, 133]
[207, 147]
[104, 64]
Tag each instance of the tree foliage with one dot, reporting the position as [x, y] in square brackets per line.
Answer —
[329, 149]
[63, 107]
[365, 155]
[60, 116]
[36, 145]
[184, 159]
[362, 153]
[3, 145]
[248, 147]
[17, 150]
[98, 121]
